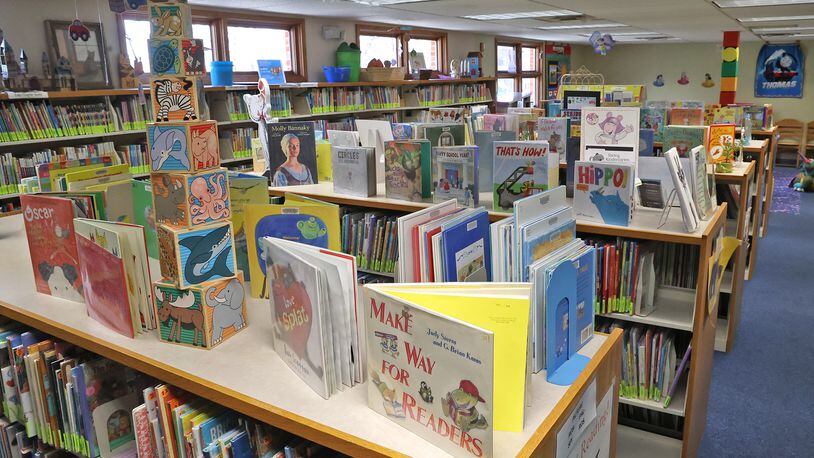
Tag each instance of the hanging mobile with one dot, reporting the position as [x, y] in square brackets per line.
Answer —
[77, 29]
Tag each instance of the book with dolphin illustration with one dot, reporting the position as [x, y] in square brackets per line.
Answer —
[603, 192]
[314, 313]
[115, 275]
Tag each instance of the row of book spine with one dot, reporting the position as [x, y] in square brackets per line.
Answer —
[333, 99]
[466, 93]
[235, 107]
[678, 265]
[242, 141]
[616, 268]
[371, 238]
[383, 97]
[435, 95]
[133, 114]
[31, 120]
[135, 155]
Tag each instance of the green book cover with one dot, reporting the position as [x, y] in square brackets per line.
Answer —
[143, 214]
[683, 138]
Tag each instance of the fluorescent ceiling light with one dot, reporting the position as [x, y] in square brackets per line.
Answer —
[581, 26]
[630, 34]
[386, 2]
[777, 18]
[762, 30]
[528, 14]
[750, 3]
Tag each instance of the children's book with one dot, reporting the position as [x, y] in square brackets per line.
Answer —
[719, 135]
[312, 222]
[354, 170]
[609, 126]
[324, 168]
[443, 115]
[521, 169]
[687, 117]
[49, 172]
[684, 138]
[603, 192]
[555, 132]
[115, 275]
[539, 238]
[271, 70]
[407, 165]
[402, 131]
[245, 189]
[703, 192]
[455, 174]
[143, 214]
[689, 212]
[375, 133]
[476, 387]
[728, 115]
[466, 249]
[499, 122]
[343, 137]
[113, 426]
[445, 134]
[292, 153]
[484, 140]
[646, 139]
[52, 244]
[656, 119]
[408, 239]
[118, 196]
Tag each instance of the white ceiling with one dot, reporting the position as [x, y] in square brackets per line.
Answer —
[678, 20]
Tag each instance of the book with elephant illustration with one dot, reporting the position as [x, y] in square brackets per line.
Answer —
[314, 313]
[303, 220]
[115, 275]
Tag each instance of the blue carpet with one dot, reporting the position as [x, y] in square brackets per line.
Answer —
[762, 393]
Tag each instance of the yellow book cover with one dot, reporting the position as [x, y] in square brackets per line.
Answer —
[91, 174]
[324, 168]
[244, 190]
[118, 200]
[309, 223]
[718, 135]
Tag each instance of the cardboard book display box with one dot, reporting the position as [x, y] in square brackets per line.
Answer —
[203, 315]
[183, 200]
[183, 146]
[192, 256]
[178, 99]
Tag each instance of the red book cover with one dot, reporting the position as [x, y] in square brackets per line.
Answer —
[430, 258]
[52, 245]
[105, 286]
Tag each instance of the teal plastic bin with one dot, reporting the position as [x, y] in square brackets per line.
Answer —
[352, 59]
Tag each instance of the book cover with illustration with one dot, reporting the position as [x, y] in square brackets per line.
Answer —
[402, 130]
[455, 174]
[485, 140]
[52, 245]
[656, 119]
[609, 126]
[445, 134]
[354, 170]
[309, 223]
[728, 115]
[544, 236]
[521, 169]
[555, 132]
[143, 214]
[719, 135]
[684, 138]
[646, 139]
[293, 153]
[603, 192]
[407, 170]
[687, 117]
[466, 249]
[245, 189]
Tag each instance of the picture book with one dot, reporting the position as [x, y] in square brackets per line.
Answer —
[603, 192]
[466, 249]
[646, 137]
[79, 180]
[115, 275]
[48, 172]
[245, 189]
[500, 122]
[521, 169]
[375, 133]
[407, 166]
[543, 236]
[312, 223]
[443, 115]
[684, 138]
[402, 131]
[555, 132]
[292, 153]
[719, 135]
[656, 119]
[455, 174]
[143, 214]
[609, 126]
[271, 70]
[118, 196]
[445, 134]
[728, 115]
[343, 137]
[354, 170]
[113, 426]
[703, 192]
[689, 212]
[471, 387]
[484, 140]
[324, 166]
[407, 237]
[52, 244]
[687, 117]
[571, 155]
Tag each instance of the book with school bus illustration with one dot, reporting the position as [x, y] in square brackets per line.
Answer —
[520, 169]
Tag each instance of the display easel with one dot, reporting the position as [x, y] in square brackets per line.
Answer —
[582, 77]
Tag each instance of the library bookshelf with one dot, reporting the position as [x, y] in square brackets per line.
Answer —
[244, 374]
[771, 135]
[684, 310]
[759, 152]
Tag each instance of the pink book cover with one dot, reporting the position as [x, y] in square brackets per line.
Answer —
[105, 287]
[687, 116]
[144, 436]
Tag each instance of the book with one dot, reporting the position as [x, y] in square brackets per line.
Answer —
[114, 426]
[244, 189]
[402, 131]
[371, 238]
[728, 115]
[543, 236]
[375, 133]
[445, 134]
[703, 191]
[465, 249]
[354, 170]
[407, 236]
[446, 115]
[292, 153]
[343, 138]
[555, 132]
[689, 212]
[115, 275]
[455, 174]
[483, 391]
[684, 138]
[271, 70]
[484, 140]
[603, 192]
[407, 165]
[719, 135]
[687, 117]
[646, 139]
[521, 169]
[143, 214]
[656, 119]
[499, 122]
[609, 126]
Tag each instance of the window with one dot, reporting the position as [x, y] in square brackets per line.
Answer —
[388, 43]
[380, 47]
[137, 34]
[426, 48]
[518, 71]
[248, 44]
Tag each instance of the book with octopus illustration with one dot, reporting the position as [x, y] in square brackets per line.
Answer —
[448, 361]
[603, 192]
[115, 275]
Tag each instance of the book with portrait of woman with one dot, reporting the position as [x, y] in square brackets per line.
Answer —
[292, 153]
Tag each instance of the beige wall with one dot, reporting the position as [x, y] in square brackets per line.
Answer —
[640, 63]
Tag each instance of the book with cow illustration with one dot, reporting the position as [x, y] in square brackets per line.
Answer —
[603, 192]
[520, 169]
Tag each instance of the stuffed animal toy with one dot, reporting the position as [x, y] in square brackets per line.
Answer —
[804, 182]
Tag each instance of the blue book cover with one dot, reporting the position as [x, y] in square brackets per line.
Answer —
[543, 237]
[212, 428]
[402, 131]
[271, 70]
[585, 265]
[646, 142]
[559, 297]
[654, 118]
[467, 250]
[603, 192]
[241, 446]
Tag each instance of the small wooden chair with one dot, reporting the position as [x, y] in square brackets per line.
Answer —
[809, 138]
[791, 136]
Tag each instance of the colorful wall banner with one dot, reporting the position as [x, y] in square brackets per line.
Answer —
[779, 71]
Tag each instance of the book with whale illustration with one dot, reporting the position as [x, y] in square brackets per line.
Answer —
[603, 192]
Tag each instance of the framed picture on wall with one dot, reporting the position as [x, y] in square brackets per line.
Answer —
[88, 58]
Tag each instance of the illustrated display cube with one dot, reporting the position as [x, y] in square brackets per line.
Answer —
[183, 146]
[182, 200]
[203, 315]
[170, 20]
[196, 255]
[178, 99]
[176, 57]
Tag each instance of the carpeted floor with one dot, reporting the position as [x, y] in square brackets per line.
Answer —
[785, 199]
[762, 393]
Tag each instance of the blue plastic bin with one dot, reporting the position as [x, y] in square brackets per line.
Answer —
[336, 74]
[221, 73]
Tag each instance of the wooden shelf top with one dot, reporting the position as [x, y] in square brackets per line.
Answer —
[643, 226]
[741, 171]
[69, 139]
[272, 393]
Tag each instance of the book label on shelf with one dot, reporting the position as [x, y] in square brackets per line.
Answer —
[578, 421]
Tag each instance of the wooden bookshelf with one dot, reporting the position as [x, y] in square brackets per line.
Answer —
[771, 135]
[732, 285]
[758, 151]
[272, 393]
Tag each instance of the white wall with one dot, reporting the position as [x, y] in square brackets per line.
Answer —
[640, 63]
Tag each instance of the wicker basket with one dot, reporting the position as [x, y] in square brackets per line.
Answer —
[382, 74]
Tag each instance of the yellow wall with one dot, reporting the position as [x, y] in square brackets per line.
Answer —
[640, 63]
